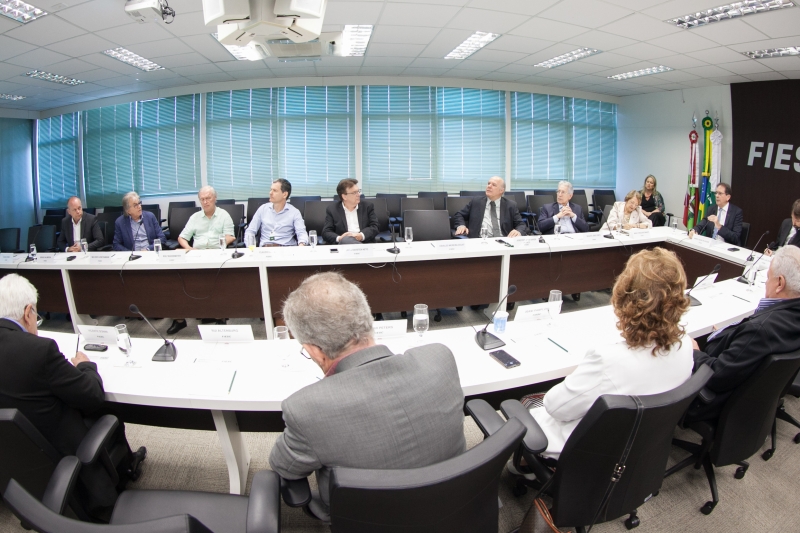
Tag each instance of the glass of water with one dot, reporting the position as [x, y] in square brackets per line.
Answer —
[409, 235]
[484, 234]
[557, 229]
[250, 241]
[281, 333]
[157, 246]
[421, 319]
[222, 243]
[312, 238]
[84, 246]
[124, 343]
[675, 225]
[554, 303]
[32, 255]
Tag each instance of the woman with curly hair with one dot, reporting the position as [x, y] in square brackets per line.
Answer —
[653, 356]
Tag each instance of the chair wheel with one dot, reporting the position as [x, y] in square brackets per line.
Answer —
[740, 472]
[459, 308]
[632, 522]
[437, 318]
[519, 490]
[797, 439]
[708, 507]
[767, 455]
[403, 314]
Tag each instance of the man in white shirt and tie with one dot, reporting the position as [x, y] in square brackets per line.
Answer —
[724, 220]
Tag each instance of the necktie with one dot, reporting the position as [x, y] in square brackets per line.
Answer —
[719, 219]
[792, 233]
[495, 225]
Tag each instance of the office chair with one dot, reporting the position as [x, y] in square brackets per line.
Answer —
[44, 237]
[106, 222]
[382, 212]
[540, 192]
[299, 202]
[458, 495]
[252, 206]
[227, 201]
[580, 199]
[393, 204]
[9, 241]
[455, 204]
[112, 209]
[535, 203]
[236, 211]
[590, 457]
[314, 217]
[56, 212]
[416, 204]
[178, 218]
[155, 209]
[52, 220]
[744, 424]
[472, 193]
[439, 198]
[90, 210]
[744, 235]
[170, 207]
[793, 388]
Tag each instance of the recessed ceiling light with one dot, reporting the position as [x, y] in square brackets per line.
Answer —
[569, 57]
[358, 38]
[243, 53]
[55, 78]
[11, 97]
[474, 42]
[643, 72]
[126, 56]
[20, 11]
[728, 11]
[773, 52]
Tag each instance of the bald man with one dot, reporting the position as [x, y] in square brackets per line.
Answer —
[499, 215]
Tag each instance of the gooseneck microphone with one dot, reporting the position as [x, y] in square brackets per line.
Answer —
[236, 253]
[394, 249]
[486, 340]
[694, 301]
[743, 277]
[133, 256]
[751, 257]
[167, 352]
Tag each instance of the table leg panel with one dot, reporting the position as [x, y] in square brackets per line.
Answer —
[697, 264]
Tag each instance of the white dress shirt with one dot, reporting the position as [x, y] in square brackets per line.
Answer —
[76, 231]
[487, 216]
[352, 222]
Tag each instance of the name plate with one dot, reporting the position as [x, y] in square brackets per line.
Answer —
[47, 258]
[357, 251]
[263, 253]
[218, 333]
[447, 246]
[9, 258]
[172, 257]
[102, 259]
[532, 312]
[701, 283]
[99, 334]
[386, 329]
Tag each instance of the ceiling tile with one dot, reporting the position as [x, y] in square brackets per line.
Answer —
[708, 71]
[559, 74]
[717, 55]
[371, 61]
[678, 8]
[8, 24]
[106, 62]
[478, 66]
[196, 70]
[259, 73]
[234, 66]
[177, 81]
[643, 51]
[212, 78]
[600, 40]
[781, 23]
[459, 3]
[11, 47]
[730, 32]
[681, 61]
[549, 30]
[792, 74]
[765, 76]
[119, 81]
[185, 6]
[513, 43]
[501, 76]
[82, 45]
[208, 47]
[637, 5]
[609, 59]
[381, 71]
[166, 47]
[337, 71]
[96, 15]
[746, 67]
[402, 34]
[485, 20]
[98, 74]
[548, 53]
[401, 50]
[640, 27]
[523, 7]
[135, 33]
[684, 41]
[181, 60]
[71, 67]
[354, 13]
[38, 59]
[412, 71]
[781, 42]
[189, 24]
[701, 83]
[583, 13]
[412, 15]
[582, 67]
[443, 43]
[294, 72]
[498, 55]
[434, 62]
[733, 78]
[780, 63]
[527, 70]
[46, 30]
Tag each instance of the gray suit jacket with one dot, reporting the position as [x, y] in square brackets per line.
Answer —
[378, 410]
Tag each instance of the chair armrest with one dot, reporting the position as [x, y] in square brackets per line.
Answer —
[264, 503]
[94, 442]
[706, 395]
[535, 440]
[488, 420]
[61, 483]
[295, 492]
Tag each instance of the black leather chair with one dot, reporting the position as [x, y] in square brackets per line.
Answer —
[592, 452]
[600, 199]
[382, 212]
[170, 208]
[44, 237]
[393, 204]
[535, 202]
[9, 241]
[455, 496]
[52, 220]
[314, 217]
[744, 235]
[155, 209]
[58, 212]
[90, 210]
[178, 218]
[414, 204]
[454, 204]
[226, 201]
[551, 192]
[428, 225]
[439, 198]
[792, 388]
[106, 220]
[299, 202]
[112, 209]
[236, 211]
[472, 193]
[580, 199]
[252, 206]
[744, 424]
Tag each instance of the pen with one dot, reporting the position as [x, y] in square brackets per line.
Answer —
[433, 245]
[504, 242]
[78, 344]
[554, 342]
[748, 301]
[234, 377]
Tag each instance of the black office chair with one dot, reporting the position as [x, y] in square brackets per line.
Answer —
[428, 225]
[56, 212]
[601, 199]
[551, 192]
[90, 210]
[299, 202]
[52, 220]
[178, 218]
[236, 211]
[580, 199]
[382, 212]
[455, 204]
[518, 197]
[112, 209]
[393, 204]
[744, 424]
[472, 193]
[592, 452]
[9, 241]
[606, 212]
[252, 206]
[413, 204]
[535, 203]
[226, 201]
[106, 222]
[744, 235]
[439, 198]
[170, 208]
[44, 237]
[314, 217]
[458, 495]
[155, 209]
[793, 388]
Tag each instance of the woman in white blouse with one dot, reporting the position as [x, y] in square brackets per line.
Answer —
[627, 214]
[653, 356]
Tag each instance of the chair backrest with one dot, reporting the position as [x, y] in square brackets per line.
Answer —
[226, 201]
[299, 202]
[416, 204]
[58, 212]
[580, 199]
[25, 455]
[43, 236]
[596, 445]
[600, 200]
[551, 192]
[112, 209]
[747, 417]
[455, 496]
[536, 201]
[472, 193]
[518, 197]
[381, 211]
[744, 235]
[314, 216]
[52, 220]
[428, 225]
[610, 192]
[236, 211]
[606, 211]
[155, 209]
[90, 210]
[9, 240]
[178, 218]
[392, 202]
[439, 198]
[173, 205]
[252, 206]
[455, 204]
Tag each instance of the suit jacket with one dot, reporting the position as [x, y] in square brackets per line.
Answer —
[547, 212]
[731, 231]
[610, 369]
[617, 215]
[737, 351]
[377, 410]
[123, 235]
[472, 214]
[336, 223]
[783, 234]
[90, 230]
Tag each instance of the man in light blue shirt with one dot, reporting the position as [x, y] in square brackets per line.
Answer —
[281, 223]
[206, 226]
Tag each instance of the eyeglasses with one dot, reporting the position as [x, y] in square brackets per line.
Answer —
[304, 353]
[137, 204]
[39, 319]
[354, 192]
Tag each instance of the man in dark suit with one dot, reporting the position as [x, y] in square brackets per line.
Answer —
[136, 229]
[78, 225]
[723, 221]
[348, 221]
[57, 396]
[736, 351]
[789, 234]
[562, 212]
[499, 215]
[373, 409]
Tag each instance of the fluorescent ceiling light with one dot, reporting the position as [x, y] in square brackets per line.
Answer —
[773, 52]
[644, 72]
[20, 11]
[11, 97]
[358, 37]
[242, 53]
[474, 42]
[569, 57]
[728, 11]
[126, 56]
[299, 59]
[55, 78]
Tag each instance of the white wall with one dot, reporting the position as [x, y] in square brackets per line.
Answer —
[653, 138]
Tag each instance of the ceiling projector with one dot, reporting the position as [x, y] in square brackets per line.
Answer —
[146, 10]
[241, 21]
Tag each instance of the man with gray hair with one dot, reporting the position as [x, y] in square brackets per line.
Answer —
[736, 351]
[373, 409]
[493, 212]
[207, 225]
[562, 212]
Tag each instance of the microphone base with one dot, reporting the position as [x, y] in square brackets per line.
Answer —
[608, 236]
[134, 257]
[742, 279]
[487, 341]
[393, 250]
[694, 302]
[237, 255]
[167, 353]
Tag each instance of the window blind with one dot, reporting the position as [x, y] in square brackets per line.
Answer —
[57, 159]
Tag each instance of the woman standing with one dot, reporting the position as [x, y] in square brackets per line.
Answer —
[652, 202]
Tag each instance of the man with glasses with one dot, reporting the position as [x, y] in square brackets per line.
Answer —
[723, 221]
[78, 225]
[60, 397]
[136, 229]
[347, 221]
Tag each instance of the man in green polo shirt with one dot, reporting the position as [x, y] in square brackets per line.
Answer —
[208, 225]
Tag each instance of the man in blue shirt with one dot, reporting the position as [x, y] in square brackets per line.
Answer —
[280, 223]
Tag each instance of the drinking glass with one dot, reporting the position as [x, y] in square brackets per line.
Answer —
[222, 243]
[250, 241]
[84, 246]
[282, 333]
[312, 238]
[421, 319]
[674, 225]
[32, 255]
[124, 343]
[409, 236]
[554, 303]
[484, 234]
[557, 229]
[157, 246]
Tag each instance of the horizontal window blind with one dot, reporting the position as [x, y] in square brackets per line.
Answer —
[57, 159]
